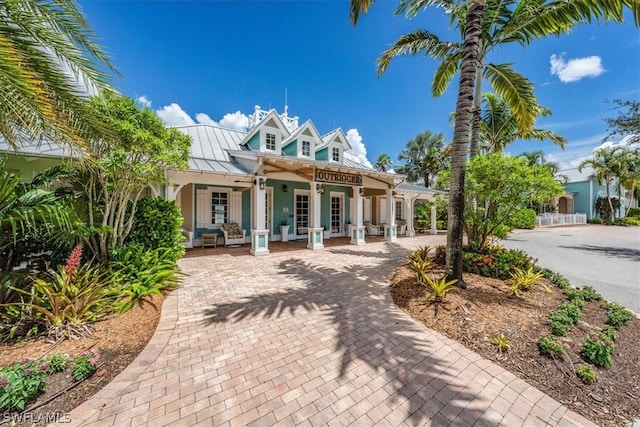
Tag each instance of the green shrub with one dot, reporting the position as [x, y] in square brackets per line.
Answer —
[20, 383]
[157, 224]
[571, 310]
[634, 212]
[610, 333]
[523, 218]
[496, 262]
[85, 365]
[560, 322]
[549, 346]
[604, 210]
[586, 374]
[589, 294]
[58, 363]
[138, 273]
[556, 278]
[616, 314]
[597, 349]
[630, 220]
[595, 221]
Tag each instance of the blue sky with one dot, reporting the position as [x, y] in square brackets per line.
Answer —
[204, 61]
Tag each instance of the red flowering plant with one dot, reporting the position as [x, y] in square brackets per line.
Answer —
[71, 297]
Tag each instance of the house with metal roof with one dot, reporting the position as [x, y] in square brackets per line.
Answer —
[284, 181]
[278, 180]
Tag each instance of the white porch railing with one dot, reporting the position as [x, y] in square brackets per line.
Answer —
[552, 219]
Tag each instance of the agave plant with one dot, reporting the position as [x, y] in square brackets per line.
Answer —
[439, 288]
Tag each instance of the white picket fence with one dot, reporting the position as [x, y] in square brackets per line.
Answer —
[553, 219]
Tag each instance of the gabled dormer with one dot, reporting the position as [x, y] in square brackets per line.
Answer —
[334, 144]
[302, 142]
[266, 133]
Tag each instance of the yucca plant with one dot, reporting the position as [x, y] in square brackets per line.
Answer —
[439, 288]
[522, 281]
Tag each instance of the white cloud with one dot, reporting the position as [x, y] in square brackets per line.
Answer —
[237, 121]
[204, 119]
[358, 152]
[174, 115]
[575, 69]
[144, 101]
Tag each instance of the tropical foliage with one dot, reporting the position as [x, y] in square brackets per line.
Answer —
[497, 187]
[482, 28]
[50, 62]
[124, 166]
[31, 214]
[499, 127]
[383, 162]
[423, 157]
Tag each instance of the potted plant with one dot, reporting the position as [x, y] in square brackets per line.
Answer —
[284, 230]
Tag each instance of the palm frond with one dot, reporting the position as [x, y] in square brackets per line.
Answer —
[516, 91]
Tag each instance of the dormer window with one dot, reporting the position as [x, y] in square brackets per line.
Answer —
[335, 154]
[306, 148]
[270, 141]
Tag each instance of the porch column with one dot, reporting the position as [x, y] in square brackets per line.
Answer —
[390, 231]
[434, 226]
[259, 234]
[315, 236]
[408, 202]
[356, 230]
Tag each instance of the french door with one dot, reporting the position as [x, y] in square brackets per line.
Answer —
[337, 213]
[302, 214]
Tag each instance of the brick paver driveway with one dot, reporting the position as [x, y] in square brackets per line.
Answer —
[308, 338]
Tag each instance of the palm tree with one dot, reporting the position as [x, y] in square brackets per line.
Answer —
[499, 127]
[605, 164]
[536, 157]
[627, 169]
[383, 162]
[423, 157]
[28, 212]
[504, 21]
[49, 61]
[468, 55]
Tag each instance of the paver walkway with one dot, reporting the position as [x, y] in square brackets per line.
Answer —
[309, 338]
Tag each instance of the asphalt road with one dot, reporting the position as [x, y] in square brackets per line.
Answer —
[604, 257]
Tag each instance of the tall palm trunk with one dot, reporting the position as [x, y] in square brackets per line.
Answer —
[455, 229]
[477, 108]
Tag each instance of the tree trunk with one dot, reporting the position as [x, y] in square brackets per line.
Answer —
[613, 212]
[455, 228]
[477, 109]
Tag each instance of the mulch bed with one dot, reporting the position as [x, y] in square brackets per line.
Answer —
[118, 339]
[475, 315]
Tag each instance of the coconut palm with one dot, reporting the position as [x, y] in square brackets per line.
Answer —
[537, 158]
[504, 22]
[383, 162]
[499, 127]
[467, 58]
[423, 157]
[48, 64]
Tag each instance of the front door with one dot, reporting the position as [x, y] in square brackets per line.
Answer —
[302, 214]
[337, 214]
